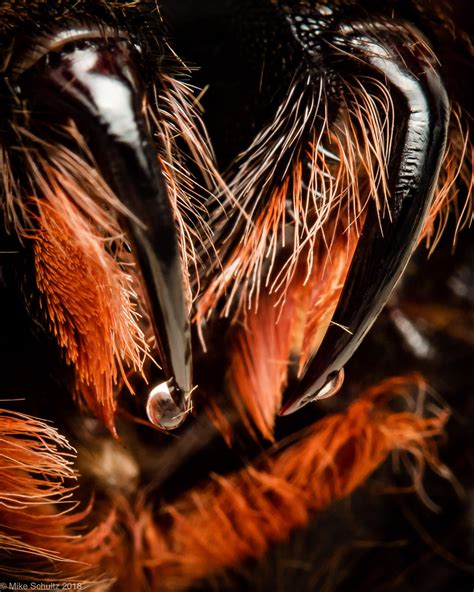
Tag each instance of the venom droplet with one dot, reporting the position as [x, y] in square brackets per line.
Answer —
[162, 411]
[332, 386]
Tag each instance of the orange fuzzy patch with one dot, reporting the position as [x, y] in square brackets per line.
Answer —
[40, 536]
[324, 290]
[235, 518]
[88, 299]
[259, 363]
[280, 334]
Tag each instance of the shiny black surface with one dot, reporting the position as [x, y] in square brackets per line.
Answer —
[95, 84]
[390, 235]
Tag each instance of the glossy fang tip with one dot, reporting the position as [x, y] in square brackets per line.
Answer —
[334, 383]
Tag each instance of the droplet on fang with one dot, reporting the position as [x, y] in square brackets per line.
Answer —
[332, 386]
[162, 411]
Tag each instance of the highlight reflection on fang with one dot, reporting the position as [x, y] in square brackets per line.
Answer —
[161, 410]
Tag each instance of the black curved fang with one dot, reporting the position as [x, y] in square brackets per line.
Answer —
[385, 245]
[95, 85]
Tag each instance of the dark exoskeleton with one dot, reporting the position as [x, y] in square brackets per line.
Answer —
[235, 255]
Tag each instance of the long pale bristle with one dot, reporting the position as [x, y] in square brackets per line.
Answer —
[40, 525]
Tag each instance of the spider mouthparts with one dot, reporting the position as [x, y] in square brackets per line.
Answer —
[390, 234]
[94, 84]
